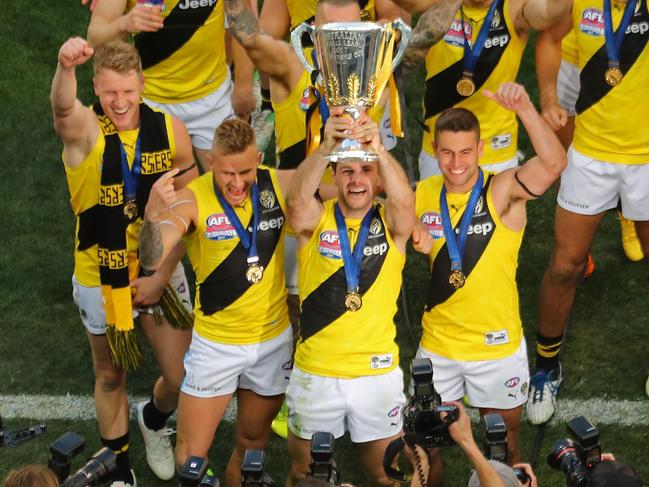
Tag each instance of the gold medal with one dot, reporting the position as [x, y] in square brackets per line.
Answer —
[465, 87]
[353, 301]
[365, 15]
[130, 210]
[613, 76]
[456, 279]
[254, 273]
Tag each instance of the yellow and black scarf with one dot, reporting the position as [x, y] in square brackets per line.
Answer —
[115, 268]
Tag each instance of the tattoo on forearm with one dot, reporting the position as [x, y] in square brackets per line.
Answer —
[150, 245]
[243, 25]
[431, 27]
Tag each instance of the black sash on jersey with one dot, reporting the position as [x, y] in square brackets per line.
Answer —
[292, 157]
[154, 137]
[440, 289]
[179, 26]
[440, 88]
[227, 282]
[327, 303]
[593, 85]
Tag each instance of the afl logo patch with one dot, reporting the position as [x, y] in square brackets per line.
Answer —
[329, 245]
[218, 227]
[433, 222]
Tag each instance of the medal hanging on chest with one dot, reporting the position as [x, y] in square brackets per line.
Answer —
[455, 243]
[466, 85]
[352, 260]
[613, 41]
[255, 271]
[131, 178]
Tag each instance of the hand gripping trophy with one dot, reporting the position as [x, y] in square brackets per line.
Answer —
[354, 61]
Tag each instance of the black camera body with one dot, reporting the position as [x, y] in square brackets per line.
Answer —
[95, 471]
[495, 443]
[422, 416]
[576, 457]
[196, 474]
[252, 470]
[323, 465]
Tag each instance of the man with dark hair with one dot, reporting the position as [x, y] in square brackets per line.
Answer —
[231, 221]
[471, 226]
[351, 253]
[113, 153]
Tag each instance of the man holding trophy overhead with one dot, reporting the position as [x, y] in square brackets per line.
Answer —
[351, 253]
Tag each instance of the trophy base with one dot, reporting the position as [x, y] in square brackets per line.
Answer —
[349, 150]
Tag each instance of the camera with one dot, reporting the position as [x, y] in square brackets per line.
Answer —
[95, 471]
[422, 416]
[323, 466]
[577, 456]
[495, 443]
[252, 470]
[195, 473]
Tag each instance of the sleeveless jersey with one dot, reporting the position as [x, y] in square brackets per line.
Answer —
[479, 321]
[304, 11]
[290, 125]
[499, 62]
[569, 48]
[229, 309]
[335, 342]
[611, 121]
[185, 60]
[84, 182]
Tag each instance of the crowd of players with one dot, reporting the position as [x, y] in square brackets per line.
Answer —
[319, 230]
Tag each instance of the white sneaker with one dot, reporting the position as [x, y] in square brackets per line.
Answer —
[544, 387]
[120, 483]
[263, 123]
[646, 387]
[159, 453]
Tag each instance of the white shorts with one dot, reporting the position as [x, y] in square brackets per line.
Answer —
[290, 263]
[202, 116]
[217, 369]
[498, 384]
[90, 301]
[369, 407]
[428, 165]
[568, 85]
[590, 187]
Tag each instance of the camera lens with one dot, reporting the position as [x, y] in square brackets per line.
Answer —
[566, 457]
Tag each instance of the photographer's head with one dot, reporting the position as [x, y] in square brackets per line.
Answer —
[505, 472]
[31, 476]
[614, 474]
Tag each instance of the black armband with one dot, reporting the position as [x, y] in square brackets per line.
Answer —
[525, 188]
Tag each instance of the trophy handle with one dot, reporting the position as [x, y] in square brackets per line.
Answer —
[296, 42]
[406, 31]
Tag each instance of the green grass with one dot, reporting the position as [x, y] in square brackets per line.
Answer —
[42, 345]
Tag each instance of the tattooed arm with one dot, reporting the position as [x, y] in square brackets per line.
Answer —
[431, 27]
[270, 56]
[169, 215]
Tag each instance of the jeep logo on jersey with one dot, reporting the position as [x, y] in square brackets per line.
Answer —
[329, 245]
[187, 4]
[271, 224]
[480, 228]
[592, 22]
[375, 226]
[513, 382]
[433, 222]
[267, 199]
[218, 227]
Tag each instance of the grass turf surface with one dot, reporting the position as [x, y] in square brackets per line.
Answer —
[43, 349]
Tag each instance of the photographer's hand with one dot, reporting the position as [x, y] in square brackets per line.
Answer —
[527, 468]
